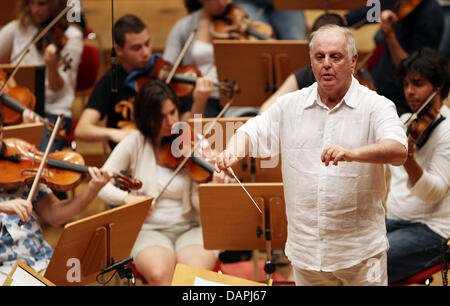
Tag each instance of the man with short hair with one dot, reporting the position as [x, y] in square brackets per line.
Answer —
[133, 48]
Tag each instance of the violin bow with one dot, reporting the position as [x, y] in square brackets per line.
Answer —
[13, 73]
[43, 161]
[180, 166]
[43, 32]
[220, 115]
[183, 162]
[414, 115]
[181, 56]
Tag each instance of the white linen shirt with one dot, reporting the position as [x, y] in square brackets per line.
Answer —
[335, 214]
[428, 201]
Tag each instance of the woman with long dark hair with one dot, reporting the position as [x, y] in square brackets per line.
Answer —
[171, 233]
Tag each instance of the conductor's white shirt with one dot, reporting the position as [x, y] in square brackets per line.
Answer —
[335, 214]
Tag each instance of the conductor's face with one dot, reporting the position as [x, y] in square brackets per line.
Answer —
[330, 61]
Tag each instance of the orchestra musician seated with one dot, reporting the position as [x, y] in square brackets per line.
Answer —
[171, 233]
[132, 43]
[418, 204]
[26, 242]
[59, 50]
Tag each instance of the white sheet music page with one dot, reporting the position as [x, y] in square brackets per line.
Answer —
[203, 282]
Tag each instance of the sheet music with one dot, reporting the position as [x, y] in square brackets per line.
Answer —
[22, 278]
[203, 282]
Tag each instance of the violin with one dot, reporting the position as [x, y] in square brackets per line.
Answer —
[365, 78]
[15, 100]
[404, 7]
[20, 160]
[235, 24]
[420, 124]
[200, 164]
[182, 82]
[57, 37]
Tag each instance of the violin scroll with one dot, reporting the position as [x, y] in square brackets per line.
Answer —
[126, 182]
[57, 37]
[234, 24]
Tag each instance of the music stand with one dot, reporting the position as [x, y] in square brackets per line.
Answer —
[249, 169]
[33, 78]
[30, 132]
[97, 242]
[230, 220]
[190, 276]
[23, 275]
[318, 5]
[266, 63]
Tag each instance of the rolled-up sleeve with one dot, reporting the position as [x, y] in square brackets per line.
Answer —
[433, 185]
[118, 159]
[387, 123]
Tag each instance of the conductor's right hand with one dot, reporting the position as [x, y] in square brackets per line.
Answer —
[225, 160]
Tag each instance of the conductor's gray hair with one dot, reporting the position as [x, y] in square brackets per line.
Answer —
[350, 39]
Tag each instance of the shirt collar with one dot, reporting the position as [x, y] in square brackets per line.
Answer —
[349, 98]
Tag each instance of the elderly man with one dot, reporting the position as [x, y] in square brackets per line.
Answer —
[334, 138]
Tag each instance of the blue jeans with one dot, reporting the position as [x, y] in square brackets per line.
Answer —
[412, 246]
[288, 25]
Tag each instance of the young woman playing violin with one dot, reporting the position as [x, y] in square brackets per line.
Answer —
[26, 242]
[171, 232]
[60, 79]
[134, 51]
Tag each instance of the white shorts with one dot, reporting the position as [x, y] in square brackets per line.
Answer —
[370, 272]
[174, 238]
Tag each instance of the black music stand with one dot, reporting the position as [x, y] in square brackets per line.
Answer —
[230, 221]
